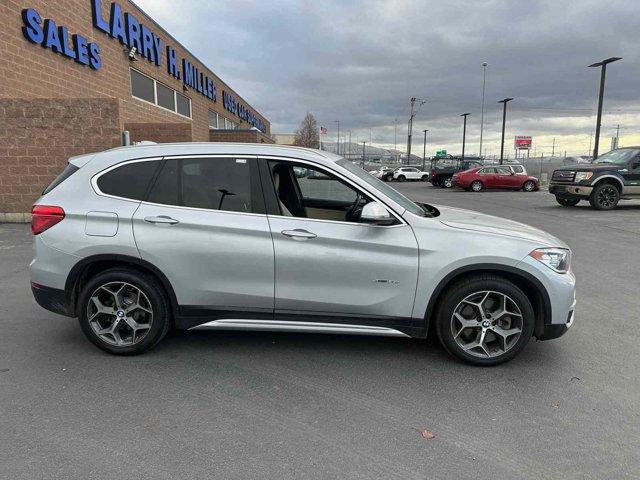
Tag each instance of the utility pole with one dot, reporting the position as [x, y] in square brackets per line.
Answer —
[553, 147]
[424, 149]
[395, 136]
[410, 132]
[363, 149]
[484, 77]
[370, 136]
[504, 102]
[464, 131]
[618, 136]
[603, 64]
[349, 144]
[338, 142]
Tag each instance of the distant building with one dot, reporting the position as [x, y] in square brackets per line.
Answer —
[284, 138]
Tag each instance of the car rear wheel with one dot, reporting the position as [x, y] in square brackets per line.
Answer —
[123, 311]
[484, 320]
[567, 201]
[604, 197]
[476, 186]
[447, 182]
[529, 186]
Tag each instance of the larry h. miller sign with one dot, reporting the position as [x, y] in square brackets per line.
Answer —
[522, 142]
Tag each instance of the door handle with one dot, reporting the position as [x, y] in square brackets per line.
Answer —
[161, 219]
[298, 234]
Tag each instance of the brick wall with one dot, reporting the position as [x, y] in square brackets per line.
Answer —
[159, 132]
[243, 136]
[37, 137]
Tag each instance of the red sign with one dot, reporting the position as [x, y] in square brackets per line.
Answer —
[522, 142]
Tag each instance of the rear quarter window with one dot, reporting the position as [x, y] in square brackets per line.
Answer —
[66, 173]
[129, 181]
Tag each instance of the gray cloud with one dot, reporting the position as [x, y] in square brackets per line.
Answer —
[359, 62]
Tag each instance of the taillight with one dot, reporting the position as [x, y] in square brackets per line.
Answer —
[433, 173]
[43, 217]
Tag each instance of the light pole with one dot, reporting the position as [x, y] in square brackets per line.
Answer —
[349, 144]
[464, 131]
[603, 73]
[504, 102]
[410, 132]
[484, 78]
[363, 147]
[424, 149]
[338, 142]
[395, 136]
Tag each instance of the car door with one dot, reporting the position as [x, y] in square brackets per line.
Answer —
[505, 178]
[328, 267]
[204, 226]
[632, 177]
[487, 176]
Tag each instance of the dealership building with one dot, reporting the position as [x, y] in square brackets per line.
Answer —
[76, 75]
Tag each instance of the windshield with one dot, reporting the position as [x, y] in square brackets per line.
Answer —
[619, 157]
[390, 192]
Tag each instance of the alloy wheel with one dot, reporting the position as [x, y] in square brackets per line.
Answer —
[448, 183]
[120, 314]
[487, 324]
[529, 186]
[476, 186]
[607, 196]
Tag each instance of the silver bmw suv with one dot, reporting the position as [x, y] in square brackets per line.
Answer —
[138, 240]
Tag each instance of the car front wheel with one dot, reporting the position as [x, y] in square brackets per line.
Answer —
[604, 197]
[484, 320]
[447, 183]
[425, 178]
[402, 178]
[123, 311]
[529, 186]
[477, 186]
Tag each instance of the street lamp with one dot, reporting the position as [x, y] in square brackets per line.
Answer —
[484, 78]
[603, 72]
[363, 146]
[504, 102]
[464, 131]
[424, 149]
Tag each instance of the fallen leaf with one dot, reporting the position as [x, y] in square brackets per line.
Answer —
[427, 434]
[556, 405]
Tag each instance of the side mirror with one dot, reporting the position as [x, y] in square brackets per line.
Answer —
[376, 213]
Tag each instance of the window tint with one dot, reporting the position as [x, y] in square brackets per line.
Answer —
[166, 98]
[142, 87]
[503, 171]
[128, 181]
[66, 173]
[488, 170]
[518, 169]
[184, 105]
[211, 183]
[317, 185]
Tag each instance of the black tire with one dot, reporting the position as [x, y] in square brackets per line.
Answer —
[447, 182]
[425, 178]
[604, 196]
[567, 201]
[401, 178]
[388, 178]
[476, 186]
[147, 284]
[457, 292]
[529, 186]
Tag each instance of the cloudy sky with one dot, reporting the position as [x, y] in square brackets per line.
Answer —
[360, 61]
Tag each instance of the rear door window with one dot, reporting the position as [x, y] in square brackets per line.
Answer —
[129, 181]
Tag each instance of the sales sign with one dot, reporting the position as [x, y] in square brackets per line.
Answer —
[522, 142]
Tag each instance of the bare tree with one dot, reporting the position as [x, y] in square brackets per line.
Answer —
[307, 135]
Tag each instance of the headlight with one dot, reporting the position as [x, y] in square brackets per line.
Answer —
[583, 176]
[557, 259]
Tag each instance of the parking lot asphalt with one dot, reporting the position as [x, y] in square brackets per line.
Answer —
[277, 405]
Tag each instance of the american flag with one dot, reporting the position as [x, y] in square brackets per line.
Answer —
[323, 131]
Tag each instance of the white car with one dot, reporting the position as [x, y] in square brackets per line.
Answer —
[403, 174]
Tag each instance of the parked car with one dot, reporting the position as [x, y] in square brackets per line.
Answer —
[383, 173]
[443, 169]
[403, 174]
[612, 177]
[135, 241]
[505, 177]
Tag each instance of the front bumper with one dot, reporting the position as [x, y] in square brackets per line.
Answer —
[573, 190]
[551, 331]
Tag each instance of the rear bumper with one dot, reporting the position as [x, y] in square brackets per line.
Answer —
[51, 299]
[583, 191]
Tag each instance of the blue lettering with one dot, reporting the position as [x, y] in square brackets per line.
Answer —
[52, 39]
[32, 29]
[99, 22]
[82, 49]
[147, 44]
[172, 62]
[157, 45]
[94, 59]
[187, 68]
[64, 39]
[116, 24]
[133, 31]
